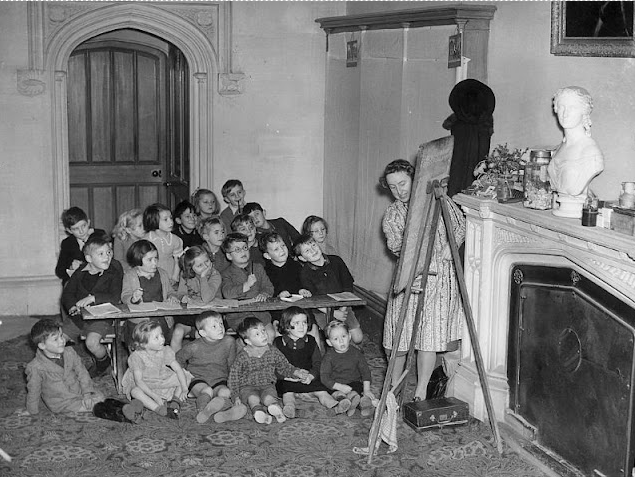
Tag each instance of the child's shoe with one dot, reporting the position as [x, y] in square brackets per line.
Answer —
[260, 415]
[100, 368]
[366, 405]
[354, 403]
[173, 409]
[213, 406]
[133, 411]
[232, 414]
[289, 411]
[276, 411]
[342, 406]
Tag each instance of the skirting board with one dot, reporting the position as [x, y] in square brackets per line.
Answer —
[30, 295]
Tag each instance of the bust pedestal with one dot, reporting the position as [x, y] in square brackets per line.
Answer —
[570, 206]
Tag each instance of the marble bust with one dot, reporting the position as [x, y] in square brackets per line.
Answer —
[578, 159]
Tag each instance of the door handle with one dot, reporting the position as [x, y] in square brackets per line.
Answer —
[167, 184]
[156, 172]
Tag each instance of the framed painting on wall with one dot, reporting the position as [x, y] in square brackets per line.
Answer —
[592, 29]
[352, 53]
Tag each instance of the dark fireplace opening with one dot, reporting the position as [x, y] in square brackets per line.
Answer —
[570, 367]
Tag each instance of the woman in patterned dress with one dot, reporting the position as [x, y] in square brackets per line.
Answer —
[442, 315]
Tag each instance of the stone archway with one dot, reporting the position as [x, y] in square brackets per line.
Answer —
[197, 47]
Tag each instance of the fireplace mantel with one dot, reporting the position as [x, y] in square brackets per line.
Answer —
[501, 235]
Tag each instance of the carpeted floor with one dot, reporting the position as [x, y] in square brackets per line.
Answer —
[316, 445]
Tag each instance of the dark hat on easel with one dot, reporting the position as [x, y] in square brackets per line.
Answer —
[471, 100]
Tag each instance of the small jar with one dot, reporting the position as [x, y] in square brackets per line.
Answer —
[504, 188]
[536, 186]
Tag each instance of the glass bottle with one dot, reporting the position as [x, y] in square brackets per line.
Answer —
[536, 186]
[504, 188]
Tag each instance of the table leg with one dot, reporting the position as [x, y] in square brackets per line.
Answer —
[119, 358]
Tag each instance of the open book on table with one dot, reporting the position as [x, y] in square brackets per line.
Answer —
[154, 306]
[103, 309]
[343, 296]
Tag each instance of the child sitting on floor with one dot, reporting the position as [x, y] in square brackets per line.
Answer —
[245, 280]
[200, 283]
[243, 224]
[323, 274]
[99, 281]
[77, 226]
[157, 220]
[56, 374]
[263, 225]
[345, 371]
[128, 230]
[213, 232]
[209, 359]
[154, 376]
[234, 196]
[186, 221]
[301, 350]
[253, 375]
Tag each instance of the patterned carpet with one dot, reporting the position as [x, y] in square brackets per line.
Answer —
[316, 445]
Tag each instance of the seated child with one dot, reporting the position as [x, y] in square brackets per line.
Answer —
[186, 220]
[99, 281]
[213, 232]
[302, 351]
[245, 280]
[128, 230]
[284, 274]
[200, 283]
[77, 226]
[154, 376]
[317, 228]
[253, 375]
[205, 204]
[209, 359]
[324, 274]
[243, 224]
[234, 197]
[56, 374]
[287, 231]
[345, 371]
[157, 220]
[145, 282]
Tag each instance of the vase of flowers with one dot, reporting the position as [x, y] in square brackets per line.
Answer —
[501, 169]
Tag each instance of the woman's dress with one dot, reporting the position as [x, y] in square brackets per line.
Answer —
[443, 314]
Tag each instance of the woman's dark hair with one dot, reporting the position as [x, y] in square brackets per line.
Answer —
[137, 251]
[398, 165]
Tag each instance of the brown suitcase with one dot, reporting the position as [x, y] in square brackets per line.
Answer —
[435, 413]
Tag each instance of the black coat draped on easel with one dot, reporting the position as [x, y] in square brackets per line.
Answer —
[472, 126]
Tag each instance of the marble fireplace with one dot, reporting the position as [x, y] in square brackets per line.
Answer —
[503, 241]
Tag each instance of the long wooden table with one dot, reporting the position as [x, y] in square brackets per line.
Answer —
[119, 352]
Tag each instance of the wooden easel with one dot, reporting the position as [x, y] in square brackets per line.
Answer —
[415, 238]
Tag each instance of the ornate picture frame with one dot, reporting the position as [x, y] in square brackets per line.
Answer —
[603, 29]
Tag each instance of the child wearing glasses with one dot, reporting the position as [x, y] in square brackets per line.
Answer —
[245, 280]
[244, 224]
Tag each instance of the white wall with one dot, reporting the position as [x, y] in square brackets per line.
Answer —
[271, 137]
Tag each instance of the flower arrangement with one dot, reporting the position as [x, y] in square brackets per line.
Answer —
[500, 162]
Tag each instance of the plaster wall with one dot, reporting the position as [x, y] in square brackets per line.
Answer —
[270, 137]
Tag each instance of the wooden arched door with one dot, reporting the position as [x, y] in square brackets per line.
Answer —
[127, 128]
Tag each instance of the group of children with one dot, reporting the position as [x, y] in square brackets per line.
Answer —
[194, 260]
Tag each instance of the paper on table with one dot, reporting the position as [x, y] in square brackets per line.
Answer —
[343, 296]
[103, 309]
[292, 298]
[153, 306]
